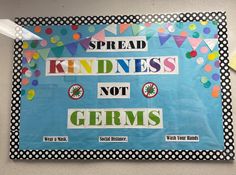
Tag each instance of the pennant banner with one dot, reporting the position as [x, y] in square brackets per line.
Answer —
[112, 28]
[44, 52]
[179, 40]
[150, 34]
[72, 48]
[194, 42]
[211, 43]
[137, 28]
[100, 36]
[29, 54]
[57, 51]
[124, 27]
[163, 37]
[85, 43]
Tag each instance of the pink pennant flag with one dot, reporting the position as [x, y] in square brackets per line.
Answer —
[124, 27]
[194, 42]
[100, 36]
[179, 40]
[85, 43]
[29, 54]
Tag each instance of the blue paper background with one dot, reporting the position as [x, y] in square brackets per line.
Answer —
[188, 107]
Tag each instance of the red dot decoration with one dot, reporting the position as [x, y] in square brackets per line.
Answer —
[193, 53]
[24, 70]
[74, 27]
[48, 31]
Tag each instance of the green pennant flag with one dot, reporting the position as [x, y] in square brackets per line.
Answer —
[136, 29]
[57, 51]
[150, 34]
[44, 52]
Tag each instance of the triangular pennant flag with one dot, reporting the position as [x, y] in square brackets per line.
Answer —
[85, 43]
[34, 43]
[124, 27]
[211, 43]
[179, 40]
[100, 36]
[29, 54]
[112, 28]
[136, 29]
[57, 51]
[163, 37]
[149, 34]
[194, 42]
[72, 48]
[44, 52]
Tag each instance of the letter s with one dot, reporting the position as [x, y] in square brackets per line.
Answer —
[169, 64]
[154, 118]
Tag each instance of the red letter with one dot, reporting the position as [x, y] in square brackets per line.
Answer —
[56, 67]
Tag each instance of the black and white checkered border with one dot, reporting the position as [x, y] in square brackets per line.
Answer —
[226, 154]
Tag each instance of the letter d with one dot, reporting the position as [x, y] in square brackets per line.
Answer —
[104, 66]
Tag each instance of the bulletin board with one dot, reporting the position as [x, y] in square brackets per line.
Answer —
[122, 87]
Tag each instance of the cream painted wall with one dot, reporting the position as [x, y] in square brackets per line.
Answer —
[12, 8]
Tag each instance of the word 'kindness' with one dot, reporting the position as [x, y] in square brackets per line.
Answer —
[112, 66]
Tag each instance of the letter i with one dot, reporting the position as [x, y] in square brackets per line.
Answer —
[70, 66]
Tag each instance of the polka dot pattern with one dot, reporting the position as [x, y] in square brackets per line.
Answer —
[226, 154]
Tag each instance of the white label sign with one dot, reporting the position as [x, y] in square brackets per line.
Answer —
[182, 138]
[113, 90]
[112, 66]
[149, 118]
[119, 44]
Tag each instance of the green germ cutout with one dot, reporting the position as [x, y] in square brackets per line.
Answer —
[150, 90]
[76, 92]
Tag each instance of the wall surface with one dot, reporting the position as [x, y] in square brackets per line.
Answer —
[12, 8]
